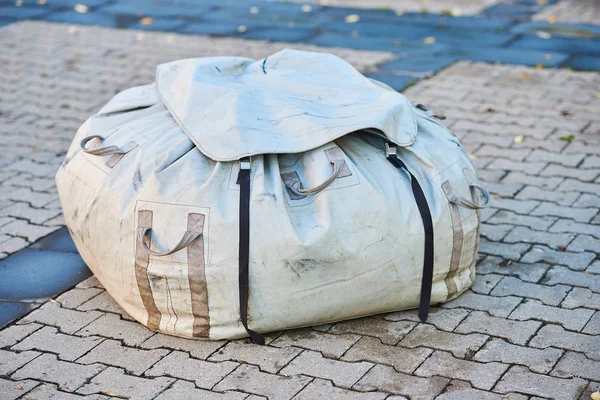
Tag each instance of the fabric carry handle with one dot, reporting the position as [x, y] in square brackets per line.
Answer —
[187, 239]
[455, 198]
[338, 166]
[103, 151]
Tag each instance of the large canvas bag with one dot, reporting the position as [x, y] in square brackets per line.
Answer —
[236, 196]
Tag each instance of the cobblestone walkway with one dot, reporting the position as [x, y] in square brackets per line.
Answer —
[529, 329]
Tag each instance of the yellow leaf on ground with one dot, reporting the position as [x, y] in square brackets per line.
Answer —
[595, 396]
[518, 139]
[429, 40]
[146, 21]
[352, 18]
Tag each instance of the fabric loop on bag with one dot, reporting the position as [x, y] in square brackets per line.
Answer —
[244, 251]
[428, 259]
[338, 166]
[186, 240]
[461, 201]
[103, 151]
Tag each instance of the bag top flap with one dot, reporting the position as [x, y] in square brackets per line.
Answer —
[290, 102]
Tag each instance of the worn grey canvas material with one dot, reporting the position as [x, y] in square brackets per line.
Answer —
[150, 195]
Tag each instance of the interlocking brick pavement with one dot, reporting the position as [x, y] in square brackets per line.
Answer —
[529, 328]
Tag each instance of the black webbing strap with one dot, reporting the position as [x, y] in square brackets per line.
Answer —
[426, 282]
[244, 182]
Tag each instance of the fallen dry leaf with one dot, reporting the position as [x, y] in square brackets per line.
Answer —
[518, 139]
[54, 301]
[352, 18]
[595, 396]
[19, 387]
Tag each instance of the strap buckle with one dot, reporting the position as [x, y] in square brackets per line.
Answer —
[245, 163]
[390, 150]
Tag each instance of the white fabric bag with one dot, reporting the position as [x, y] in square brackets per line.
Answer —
[274, 194]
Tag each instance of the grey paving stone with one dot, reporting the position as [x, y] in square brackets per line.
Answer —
[26, 230]
[180, 365]
[200, 349]
[554, 240]
[556, 336]
[511, 218]
[565, 276]
[323, 389]
[577, 173]
[112, 326]
[537, 360]
[48, 391]
[92, 281]
[343, 374]
[594, 268]
[578, 186]
[587, 200]
[524, 271]
[134, 361]
[15, 333]
[571, 319]
[11, 390]
[542, 182]
[11, 361]
[495, 232]
[269, 359]
[13, 244]
[502, 189]
[536, 193]
[519, 379]
[389, 332]
[496, 306]
[67, 347]
[69, 376]
[329, 345]
[68, 321]
[444, 319]
[249, 379]
[578, 214]
[402, 359]
[103, 302]
[579, 297]
[517, 332]
[428, 336]
[584, 243]
[578, 261]
[116, 382]
[381, 377]
[504, 250]
[518, 206]
[480, 375]
[74, 298]
[570, 160]
[593, 325]
[182, 390]
[577, 365]
[551, 295]
[460, 390]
